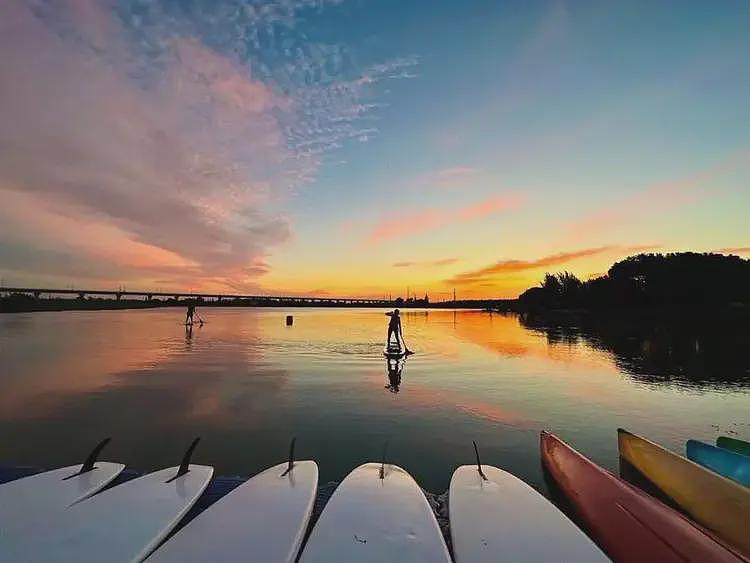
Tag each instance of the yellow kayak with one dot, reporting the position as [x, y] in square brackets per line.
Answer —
[720, 504]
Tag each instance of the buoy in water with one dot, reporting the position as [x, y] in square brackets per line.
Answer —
[289, 320]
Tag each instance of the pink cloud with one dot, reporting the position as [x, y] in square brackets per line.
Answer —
[406, 224]
[180, 164]
[446, 178]
[457, 171]
[457, 176]
[504, 267]
[178, 153]
[426, 263]
[735, 250]
[661, 196]
[488, 207]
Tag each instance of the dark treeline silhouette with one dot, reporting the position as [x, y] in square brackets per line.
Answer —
[648, 280]
[666, 318]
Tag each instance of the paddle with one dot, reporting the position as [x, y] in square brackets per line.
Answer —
[406, 348]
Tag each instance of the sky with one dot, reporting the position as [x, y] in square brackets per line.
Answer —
[366, 147]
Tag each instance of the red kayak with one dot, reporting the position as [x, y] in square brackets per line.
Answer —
[628, 524]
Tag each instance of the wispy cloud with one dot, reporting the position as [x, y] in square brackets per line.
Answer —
[447, 178]
[406, 224]
[176, 131]
[332, 113]
[426, 263]
[657, 197]
[505, 267]
[735, 250]
[451, 177]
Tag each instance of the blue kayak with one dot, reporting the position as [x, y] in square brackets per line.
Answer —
[724, 462]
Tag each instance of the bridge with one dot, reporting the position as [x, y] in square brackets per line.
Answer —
[217, 298]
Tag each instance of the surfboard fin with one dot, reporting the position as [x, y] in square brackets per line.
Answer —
[479, 462]
[88, 465]
[382, 462]
[185, 464]
[291, 457]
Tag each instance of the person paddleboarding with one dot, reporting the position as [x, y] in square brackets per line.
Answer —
[395, 329]
[190, 313]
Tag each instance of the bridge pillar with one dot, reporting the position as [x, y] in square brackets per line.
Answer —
[149, 297]
[37, 294]
[82, 295]
[119, 296]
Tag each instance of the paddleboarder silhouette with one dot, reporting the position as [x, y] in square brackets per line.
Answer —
[189, 314]
[395, 329]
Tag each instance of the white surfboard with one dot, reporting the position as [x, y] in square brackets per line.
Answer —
[264, 519]
[503, 519]
[25, 502]
[124, 523]
[369, 519]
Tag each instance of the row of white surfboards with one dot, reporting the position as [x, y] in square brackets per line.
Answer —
[378, 513]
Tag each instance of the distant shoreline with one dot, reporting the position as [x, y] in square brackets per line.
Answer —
[29, 304]
[17, 303]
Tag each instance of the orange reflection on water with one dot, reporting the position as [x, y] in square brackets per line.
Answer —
[75, 352]
[504, 335]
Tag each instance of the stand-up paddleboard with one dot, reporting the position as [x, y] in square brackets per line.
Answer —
[630, 525]
[122, 524]
[393, 350]
[733, 444]
[26, 502]
[263, 519]
[718, 503]
[378, 513]
[724, 462]
[495, 517]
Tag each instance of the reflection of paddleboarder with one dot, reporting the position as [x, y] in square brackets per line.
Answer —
[395, 367]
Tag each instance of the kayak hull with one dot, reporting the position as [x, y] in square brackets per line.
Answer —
[719, 504]
[629, 525]
[731, 465]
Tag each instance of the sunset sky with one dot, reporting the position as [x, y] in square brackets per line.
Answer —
[360, 147]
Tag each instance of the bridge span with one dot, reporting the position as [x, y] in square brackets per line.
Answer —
[176, 296]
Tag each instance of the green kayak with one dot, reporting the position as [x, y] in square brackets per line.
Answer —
[733, 444]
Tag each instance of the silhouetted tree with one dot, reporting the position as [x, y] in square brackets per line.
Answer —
[649, 279]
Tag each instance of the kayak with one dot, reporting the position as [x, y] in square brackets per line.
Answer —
[718, 503]
[729, 464]
[733, 444]
[629, 525]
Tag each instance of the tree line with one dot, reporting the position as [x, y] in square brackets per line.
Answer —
[645, 280]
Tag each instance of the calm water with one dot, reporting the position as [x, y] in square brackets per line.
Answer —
[247, 383]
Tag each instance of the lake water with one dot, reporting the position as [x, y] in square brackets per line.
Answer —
[246, 384]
